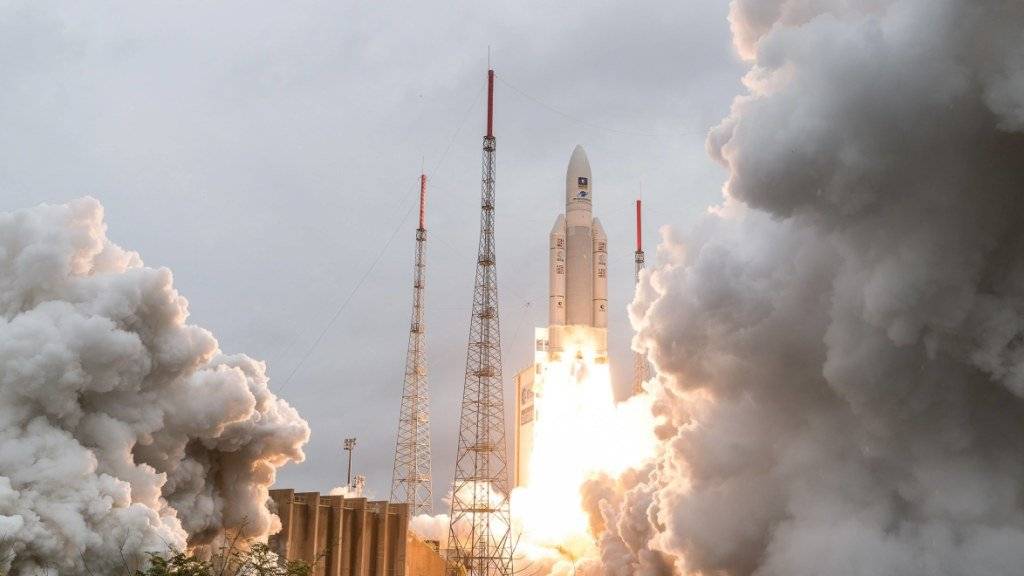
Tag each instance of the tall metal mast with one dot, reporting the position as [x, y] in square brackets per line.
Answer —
[410, 480]
[478, 539]
[641, 370]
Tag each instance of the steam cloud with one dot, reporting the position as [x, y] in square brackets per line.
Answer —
[122, 428]
[840, 345]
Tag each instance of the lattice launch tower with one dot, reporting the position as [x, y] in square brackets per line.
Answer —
[479, 534]
[410, 479]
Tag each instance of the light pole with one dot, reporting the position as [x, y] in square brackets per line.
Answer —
[350, 444]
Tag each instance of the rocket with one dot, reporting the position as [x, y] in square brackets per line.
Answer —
[578, 305]
[578, 266]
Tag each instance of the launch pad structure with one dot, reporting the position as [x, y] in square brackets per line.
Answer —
[479, 533]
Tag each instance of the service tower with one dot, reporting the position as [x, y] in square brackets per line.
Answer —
[578, 298]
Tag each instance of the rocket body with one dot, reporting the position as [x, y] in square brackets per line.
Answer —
[579, 254]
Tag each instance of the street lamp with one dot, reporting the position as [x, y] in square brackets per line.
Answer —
[350, 444]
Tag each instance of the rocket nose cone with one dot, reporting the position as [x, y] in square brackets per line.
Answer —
[559, 227]
[579, 165]
[577, 178]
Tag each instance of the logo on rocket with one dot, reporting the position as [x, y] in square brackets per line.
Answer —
[582, 183]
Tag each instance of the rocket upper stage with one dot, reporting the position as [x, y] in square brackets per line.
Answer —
[577, 182]
[579, 254]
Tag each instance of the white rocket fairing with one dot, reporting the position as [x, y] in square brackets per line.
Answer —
[578, 264]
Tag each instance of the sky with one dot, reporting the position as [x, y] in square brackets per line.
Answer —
[268, 154]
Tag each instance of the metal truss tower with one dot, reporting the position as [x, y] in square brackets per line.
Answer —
[410, 480]
[479, 534]
[641, 370]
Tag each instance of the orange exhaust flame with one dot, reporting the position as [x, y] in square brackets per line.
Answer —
[579, 432]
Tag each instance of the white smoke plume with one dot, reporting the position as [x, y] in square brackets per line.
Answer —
[840, 346]
[428, 527]
[123, 429]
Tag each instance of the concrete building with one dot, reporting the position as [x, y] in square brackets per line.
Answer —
[351, 536]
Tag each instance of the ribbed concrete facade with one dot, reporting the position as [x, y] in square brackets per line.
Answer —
[350, 536]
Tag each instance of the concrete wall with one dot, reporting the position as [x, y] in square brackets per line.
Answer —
[422, 559]
[350, 536]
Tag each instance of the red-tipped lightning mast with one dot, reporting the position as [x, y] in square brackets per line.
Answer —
[639, 228]
[490, 104]
[641, 371]
[423, 201]
[479, 540]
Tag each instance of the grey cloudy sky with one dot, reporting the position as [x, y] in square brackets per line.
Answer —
[267, 152]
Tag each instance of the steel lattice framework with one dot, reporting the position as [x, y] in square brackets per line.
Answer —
[641, 370]
[479, 540]
[410, 479]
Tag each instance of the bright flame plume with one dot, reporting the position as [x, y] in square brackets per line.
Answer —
[579, 432]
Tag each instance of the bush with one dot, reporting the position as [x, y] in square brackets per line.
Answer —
[258, 560]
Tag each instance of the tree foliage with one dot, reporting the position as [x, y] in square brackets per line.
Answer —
[258, 560]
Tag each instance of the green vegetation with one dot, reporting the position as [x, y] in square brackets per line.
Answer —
[256, 561]
[236, 557]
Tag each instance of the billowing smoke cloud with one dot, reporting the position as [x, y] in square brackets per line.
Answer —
[841, 345]
[122, 428]
[428, 527]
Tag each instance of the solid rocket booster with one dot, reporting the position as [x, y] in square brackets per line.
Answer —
[579, 254]
[556, 311]
[600, 276]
